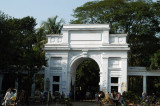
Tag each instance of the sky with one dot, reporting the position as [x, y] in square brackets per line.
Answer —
[41, 9]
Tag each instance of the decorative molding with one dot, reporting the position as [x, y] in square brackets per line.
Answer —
[84, 52]
[105, 44]
[104, 57]
[114, 69]
[118, 35]
[86, 27]
[56, 68]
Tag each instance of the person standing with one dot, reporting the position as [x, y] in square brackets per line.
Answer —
[7, 97]
[96, 96]
[70, 94]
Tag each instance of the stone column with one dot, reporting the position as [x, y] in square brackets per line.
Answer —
[124, 75]
[33, 87]
[144, 84]
[100, 83]
[47, 71]
[1, 78]
[74, 84]
[105, 74]
[64, 80]
[65, 37]
[105, 37]
[69, 79]
[16, 83]
[46, 77]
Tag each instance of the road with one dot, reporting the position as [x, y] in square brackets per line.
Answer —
[73, 104]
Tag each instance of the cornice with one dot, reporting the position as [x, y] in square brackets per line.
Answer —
[86, 27]
[89, 48]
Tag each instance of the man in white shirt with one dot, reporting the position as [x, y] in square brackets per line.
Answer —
[7, 97]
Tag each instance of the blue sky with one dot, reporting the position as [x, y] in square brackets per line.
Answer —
[41, 9]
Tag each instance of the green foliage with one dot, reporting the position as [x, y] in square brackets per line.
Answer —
[5, 38]
[21, 48]
[51, 26]
[39, 82]
[153, 85]
[139, 19]
[130, 96]
[155, 61]
[133, 81]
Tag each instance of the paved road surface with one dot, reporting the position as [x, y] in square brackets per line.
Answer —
[73, 104]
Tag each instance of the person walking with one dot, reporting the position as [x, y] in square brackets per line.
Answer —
[7, 97]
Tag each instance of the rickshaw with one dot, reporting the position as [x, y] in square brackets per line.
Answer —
[104, 98]
[14, 97]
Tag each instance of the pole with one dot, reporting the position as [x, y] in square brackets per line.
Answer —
[48, 99]
[74, 90]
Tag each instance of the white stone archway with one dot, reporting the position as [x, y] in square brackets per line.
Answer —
[80, 41]
[75, 63]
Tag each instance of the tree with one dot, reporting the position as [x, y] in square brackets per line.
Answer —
[20, 52]
[51, 26]
[5, 45]
[155, 61]
[32, 57]
[139, 19]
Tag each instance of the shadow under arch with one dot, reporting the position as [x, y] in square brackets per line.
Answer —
[74, 65]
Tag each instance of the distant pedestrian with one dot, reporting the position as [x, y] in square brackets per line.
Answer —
[70, 94]
[63, 95]
[96, 96]
[112, 95]
[143, 95]
[7, 97]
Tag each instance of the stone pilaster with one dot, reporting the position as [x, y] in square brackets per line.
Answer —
[65, 36]
[144, 84]
[105, 75]
[124, 75]
[105, 38]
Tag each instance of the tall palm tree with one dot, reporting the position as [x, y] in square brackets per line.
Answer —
[51, 26]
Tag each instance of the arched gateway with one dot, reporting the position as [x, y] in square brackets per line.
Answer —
[82, 41]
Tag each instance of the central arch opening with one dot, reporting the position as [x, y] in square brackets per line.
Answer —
[85, 79]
